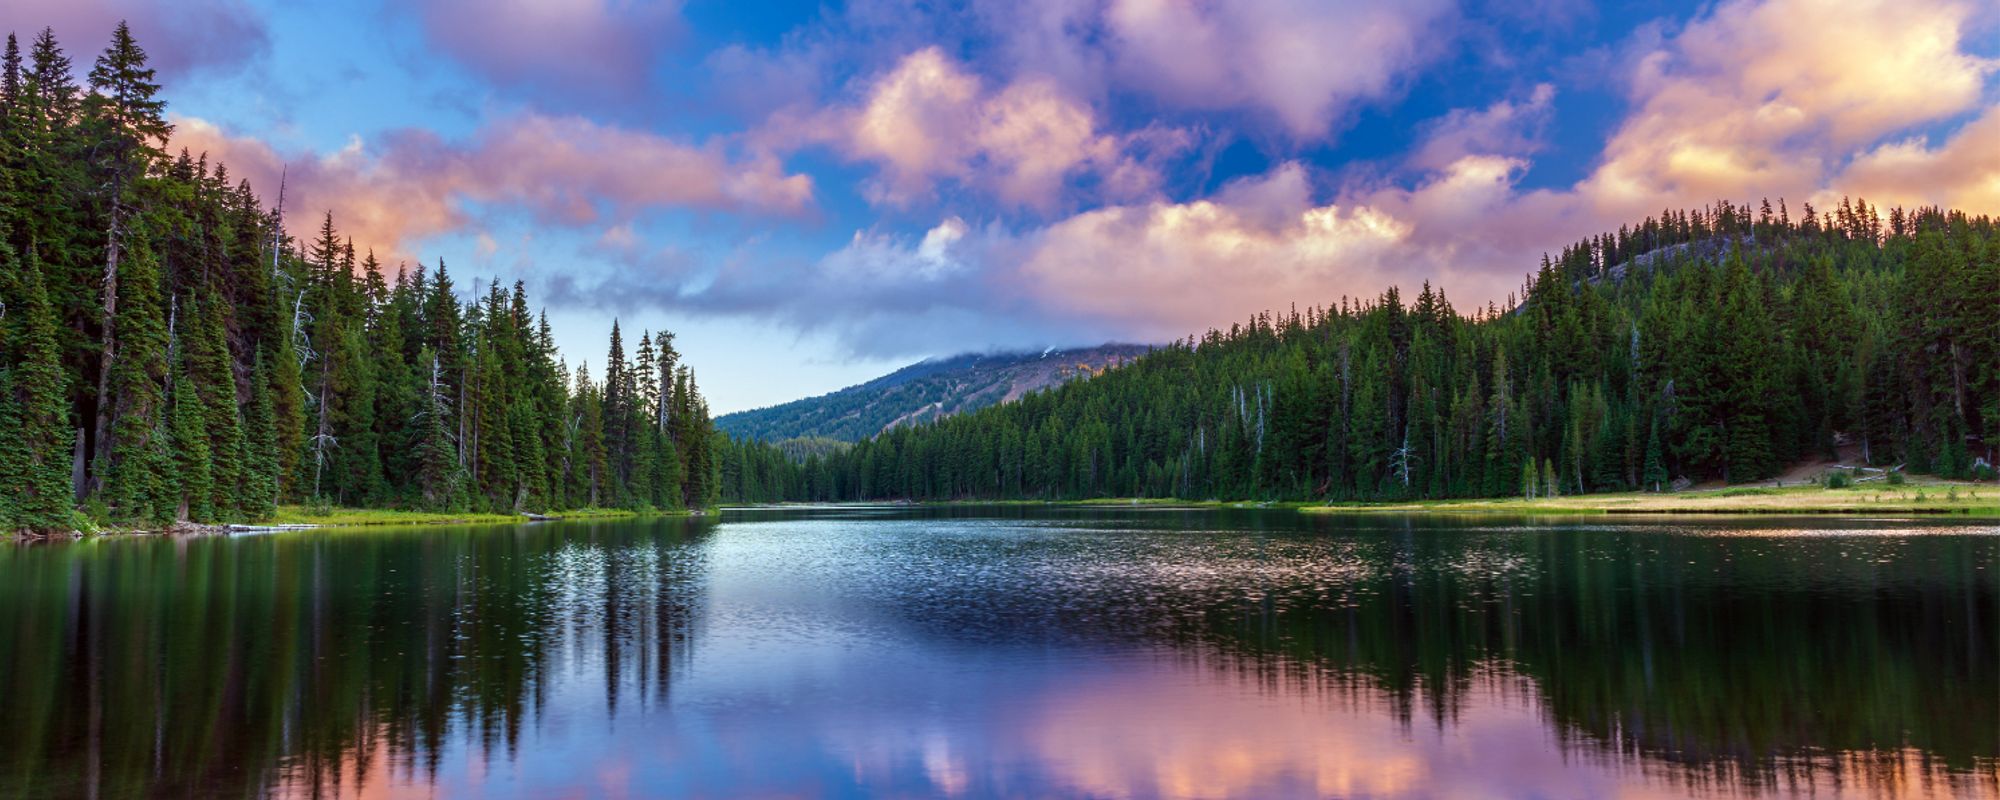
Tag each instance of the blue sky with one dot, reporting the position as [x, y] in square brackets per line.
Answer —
[812, 194]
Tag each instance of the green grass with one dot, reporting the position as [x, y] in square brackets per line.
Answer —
[1973, 500]
[347, 517]
[1919, 496]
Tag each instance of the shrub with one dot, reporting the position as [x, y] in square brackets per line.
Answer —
[1896, 477]
[1839, 479]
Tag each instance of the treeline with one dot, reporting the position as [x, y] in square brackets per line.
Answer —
[168, 353]
[1715, 344]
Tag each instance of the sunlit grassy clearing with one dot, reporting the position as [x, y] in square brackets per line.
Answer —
[342, 517]
[1971, 499]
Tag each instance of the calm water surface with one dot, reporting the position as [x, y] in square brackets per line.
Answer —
[1011, 653]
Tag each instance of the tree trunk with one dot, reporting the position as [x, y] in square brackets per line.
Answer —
[105, 363]
[77, 473]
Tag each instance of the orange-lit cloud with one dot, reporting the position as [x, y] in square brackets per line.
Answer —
[1963, 172]
[1168, 269]
[1770, 98]
[565, 170]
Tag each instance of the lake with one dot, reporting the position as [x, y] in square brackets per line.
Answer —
[1011, 652]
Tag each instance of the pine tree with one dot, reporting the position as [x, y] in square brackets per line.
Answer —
[645, 448]
[34, 464]
[288, 408]
[135, 467]
[10, 80]
[209, 368]
[1656, 469]
[438, 477]
[191, 457]
[259, 497]
[127, 126]
[669, 471]
[588, 457]
[1504, 433]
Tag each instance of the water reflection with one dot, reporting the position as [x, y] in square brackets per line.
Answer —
[310, 662]
[1009, 652]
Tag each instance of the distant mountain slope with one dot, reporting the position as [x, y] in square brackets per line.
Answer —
[923, 391]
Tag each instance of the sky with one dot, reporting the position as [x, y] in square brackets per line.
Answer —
[809, 195]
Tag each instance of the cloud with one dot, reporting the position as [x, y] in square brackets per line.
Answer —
[1303, 63]
[1749, 100]
[929, 120]
[1505, 127]
[1962, 173]
[1755, 87]
[875, 257]
[1163, 270]
[1168, 268]
[1147, 271]
[1775, 99]
[1295, 67]
[563, 170]
[179, 38]
[1769, 98]
[588, 49]
[1780, 98]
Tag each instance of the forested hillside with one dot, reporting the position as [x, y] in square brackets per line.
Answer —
[1713, 344]
[168, 353]
[923, 392]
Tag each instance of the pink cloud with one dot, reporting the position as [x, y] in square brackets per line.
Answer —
[1303, 63]
[179, 38]
[565, 170]
[593, 48]
[1295, 67]
[930, 119]
[1506, 127]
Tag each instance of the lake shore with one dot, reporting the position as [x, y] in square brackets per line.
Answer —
[343, 517]
[1960, 499]
[292, 517]
[1956, 499]
[1931, 497]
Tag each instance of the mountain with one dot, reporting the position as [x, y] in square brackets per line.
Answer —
[926, 390]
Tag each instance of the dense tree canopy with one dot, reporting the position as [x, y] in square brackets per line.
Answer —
[1715, 344]
[168, 353]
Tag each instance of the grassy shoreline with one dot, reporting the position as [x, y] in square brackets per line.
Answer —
[1931, 498]
[1961, 499]
[1954, 499]
[348, 517]
[344, 517]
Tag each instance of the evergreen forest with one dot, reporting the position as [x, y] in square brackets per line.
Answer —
[168, 353]
[1714, 344]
